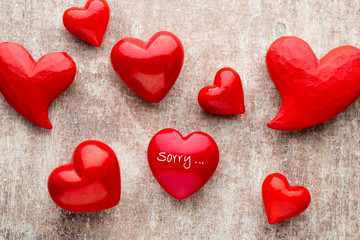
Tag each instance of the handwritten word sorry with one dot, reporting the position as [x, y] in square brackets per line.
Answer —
[175, 158]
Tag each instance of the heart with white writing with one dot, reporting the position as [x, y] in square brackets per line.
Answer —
[182, 165]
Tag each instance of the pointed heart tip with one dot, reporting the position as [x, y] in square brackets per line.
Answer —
[180, 197]
[49, 127]
[46, 124]
[273, 125]
[243, 110]
[283, 123]
[96, 43]
[153, 99]
[273, 221]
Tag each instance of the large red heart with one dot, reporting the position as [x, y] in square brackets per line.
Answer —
[312, 91]
[226, 96]
[182, 165]
[150, 68]
[91, 182]
[88, 23]
[29, 86]
[282, 201]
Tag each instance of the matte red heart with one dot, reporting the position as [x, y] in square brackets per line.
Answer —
[88, 23]
[29, 86]
[282, 201]
[91, 182]
[312, 90]
[151, 68]
[182, 165]
[226, 96]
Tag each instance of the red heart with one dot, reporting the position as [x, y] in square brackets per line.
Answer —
[88, 23]
[282, 201]
[29, 86]
[91, 182]
[149, 69]
[312, 91]
[182, 165]
[226, 96]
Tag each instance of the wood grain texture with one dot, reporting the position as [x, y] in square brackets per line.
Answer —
[215, 34]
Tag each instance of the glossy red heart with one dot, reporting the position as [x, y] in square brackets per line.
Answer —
[226, 96]
[91, 182]
[282, 201]
[29, 86]
[151, 68]
[182, 165]
[312, 90]
[88, 23]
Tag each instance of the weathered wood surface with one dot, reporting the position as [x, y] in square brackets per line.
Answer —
[215, 34]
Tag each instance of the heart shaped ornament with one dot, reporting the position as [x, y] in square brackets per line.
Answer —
[282, 201]
[30, 87]
[88, 23]
[182, 165]
[312, 90]
[226, 96]
[91, 182]
[151, 68]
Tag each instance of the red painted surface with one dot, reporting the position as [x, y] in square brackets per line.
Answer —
[29, 86]
[182, 165]
[91, 182]
[88, 23]
[226, 96]
[312, 90]
[282, 201]
[151, 68]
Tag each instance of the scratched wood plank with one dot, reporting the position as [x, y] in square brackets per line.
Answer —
[215, 34]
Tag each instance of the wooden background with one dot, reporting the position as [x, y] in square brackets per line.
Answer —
[215, 34]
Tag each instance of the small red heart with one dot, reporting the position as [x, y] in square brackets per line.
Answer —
[29, 86]
[182, 165]
[312, 90]
[282, 201]
[91, 182]
[226, 96]
[151, 68]
[88, 23]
